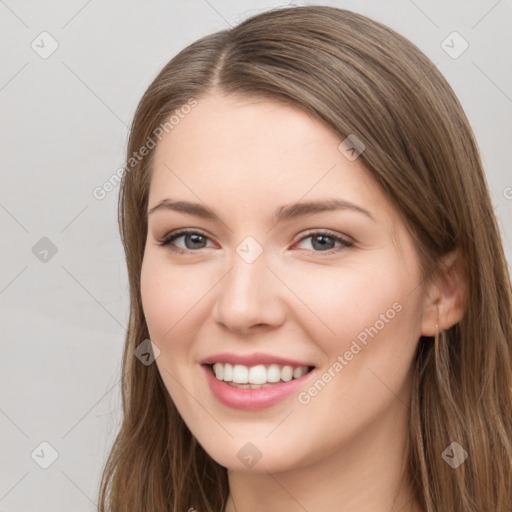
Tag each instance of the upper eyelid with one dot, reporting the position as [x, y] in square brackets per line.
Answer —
[183, 232]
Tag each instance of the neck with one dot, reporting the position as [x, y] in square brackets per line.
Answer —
[370, 473]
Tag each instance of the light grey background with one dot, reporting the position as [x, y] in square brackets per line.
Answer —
[63, 133]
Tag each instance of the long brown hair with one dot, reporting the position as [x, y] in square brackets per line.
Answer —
[358, 77]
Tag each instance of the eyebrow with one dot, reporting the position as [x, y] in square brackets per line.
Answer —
[283, 213]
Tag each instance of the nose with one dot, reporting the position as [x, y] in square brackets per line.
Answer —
[250, 297]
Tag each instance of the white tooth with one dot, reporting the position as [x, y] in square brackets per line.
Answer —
[218, 369]
[287, 373]
[228, 372]
[240, 374]
[273, 373]
[299, 372]
[257, 374]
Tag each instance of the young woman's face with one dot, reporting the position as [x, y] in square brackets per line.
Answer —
[264, 280]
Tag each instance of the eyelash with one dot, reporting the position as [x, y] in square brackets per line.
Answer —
[166, 241]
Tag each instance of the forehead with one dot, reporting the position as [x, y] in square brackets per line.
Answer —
[257, 153]
[230, 127]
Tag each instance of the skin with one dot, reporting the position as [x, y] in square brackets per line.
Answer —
[245, 158]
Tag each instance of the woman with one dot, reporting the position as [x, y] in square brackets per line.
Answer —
[313, 254]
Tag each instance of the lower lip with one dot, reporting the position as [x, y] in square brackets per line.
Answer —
[248, 399]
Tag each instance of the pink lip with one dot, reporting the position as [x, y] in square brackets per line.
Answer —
[252, 359]
[248, 399]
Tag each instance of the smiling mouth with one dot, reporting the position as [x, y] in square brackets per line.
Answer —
[257, 376]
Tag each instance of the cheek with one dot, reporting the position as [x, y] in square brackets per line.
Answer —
[337, 304]
[170, 296]
[365, 319]
[156, 300]
[368, 360]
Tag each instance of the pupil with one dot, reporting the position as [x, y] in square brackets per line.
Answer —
[196, 240]
[321, 246]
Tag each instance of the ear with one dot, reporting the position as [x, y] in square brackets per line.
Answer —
[446, 296]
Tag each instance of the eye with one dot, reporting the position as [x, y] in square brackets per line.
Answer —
[193, 240]
[324, 241]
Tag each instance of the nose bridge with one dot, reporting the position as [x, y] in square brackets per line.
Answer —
[249, 293]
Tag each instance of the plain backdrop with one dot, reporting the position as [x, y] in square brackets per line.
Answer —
[64, 125]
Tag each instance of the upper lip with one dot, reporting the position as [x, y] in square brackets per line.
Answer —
[252, 359]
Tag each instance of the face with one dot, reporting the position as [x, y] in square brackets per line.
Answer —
[264, 279]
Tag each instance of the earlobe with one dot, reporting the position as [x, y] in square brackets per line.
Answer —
[447, 297]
